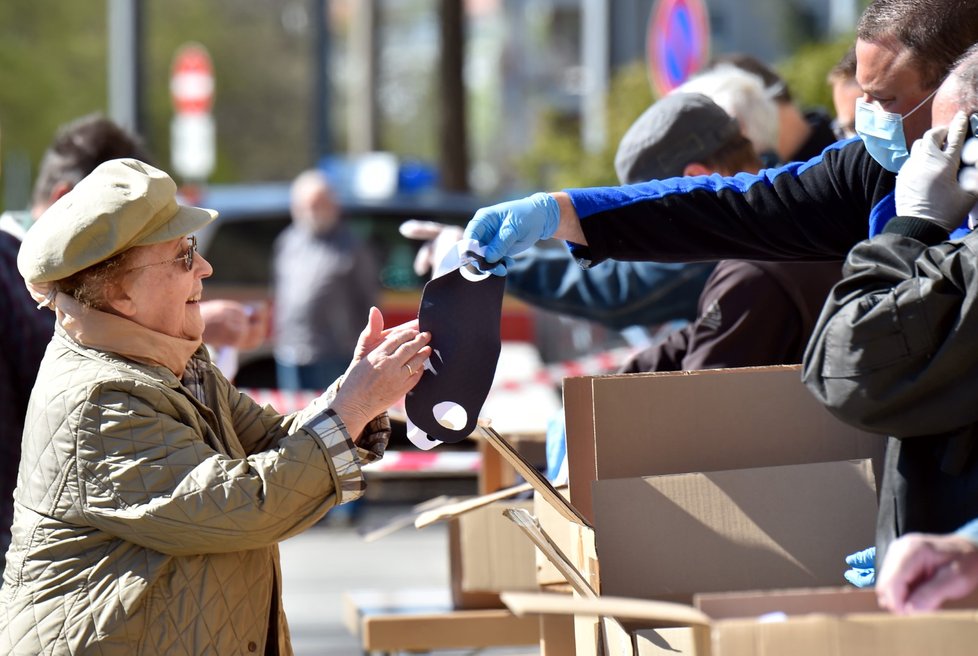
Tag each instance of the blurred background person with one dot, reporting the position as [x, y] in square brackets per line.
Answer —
[802, 133]
[845, 92]
[25, 333]
[742, 95]
[325, 279]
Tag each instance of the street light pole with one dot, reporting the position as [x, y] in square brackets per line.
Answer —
[319, 15]
[125, 63]
[453, 142]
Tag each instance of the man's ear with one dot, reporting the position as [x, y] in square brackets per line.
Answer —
[695, 168]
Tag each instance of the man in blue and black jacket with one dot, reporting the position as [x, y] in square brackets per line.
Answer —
[815, 210]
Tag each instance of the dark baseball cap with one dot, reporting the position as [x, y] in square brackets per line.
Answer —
[678, 129]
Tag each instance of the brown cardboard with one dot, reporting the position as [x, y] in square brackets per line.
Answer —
[572, 572]
[452, 507]
[495, 555]
[487, 553]
[678, 641]
[558, 528]
[556, 635]
[802, 601]
[531, 474]
[668, 537]
[452, 630]
[697, 421]
[948, 633]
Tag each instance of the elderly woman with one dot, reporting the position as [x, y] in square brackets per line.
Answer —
[151, 493]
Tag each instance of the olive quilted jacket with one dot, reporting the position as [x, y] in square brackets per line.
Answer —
[147, 523]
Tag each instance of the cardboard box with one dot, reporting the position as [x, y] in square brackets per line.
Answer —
[487, 554]
[948, 633]
[668, 537]
[572, 538]
[576, 559]
[699, 421]
[678, 641]
[802, 601]
[556, 635]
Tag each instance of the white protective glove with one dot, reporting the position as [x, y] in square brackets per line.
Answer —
[927, 185]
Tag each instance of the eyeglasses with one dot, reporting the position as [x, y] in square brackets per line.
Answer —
[187, 258]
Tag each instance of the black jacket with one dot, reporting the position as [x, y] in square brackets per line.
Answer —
[816, 210]
[895, 352]
[750, 314]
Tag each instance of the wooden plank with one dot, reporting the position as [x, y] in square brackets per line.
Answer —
[451, 630]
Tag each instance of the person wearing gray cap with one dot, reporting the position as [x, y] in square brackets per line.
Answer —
[749, 313]
[151, 493]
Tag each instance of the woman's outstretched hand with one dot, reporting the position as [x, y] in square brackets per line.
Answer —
[387, 364]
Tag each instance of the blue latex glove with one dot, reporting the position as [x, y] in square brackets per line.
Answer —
[512, 227]
[862, 572]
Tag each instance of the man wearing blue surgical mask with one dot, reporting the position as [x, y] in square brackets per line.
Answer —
[811, 211]
[897, 89]
[882, 132]
[816, 210]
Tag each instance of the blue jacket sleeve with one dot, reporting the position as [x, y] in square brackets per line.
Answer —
[616, 294]
[816, 210]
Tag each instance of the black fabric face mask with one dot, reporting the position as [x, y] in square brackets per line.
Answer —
[463, 318]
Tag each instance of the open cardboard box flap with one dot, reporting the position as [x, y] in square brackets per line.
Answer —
[533, 477]
[623, 426]
[455, 507]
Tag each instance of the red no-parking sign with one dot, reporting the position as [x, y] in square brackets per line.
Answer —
[677, 42]
[192, 134]
[192, 80]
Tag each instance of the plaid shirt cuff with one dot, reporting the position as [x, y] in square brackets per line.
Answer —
[337, 444]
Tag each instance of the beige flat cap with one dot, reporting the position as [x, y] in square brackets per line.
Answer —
[121, 204]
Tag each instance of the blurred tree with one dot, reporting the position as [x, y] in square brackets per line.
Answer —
[805, 72]
[557, 160]
[52, 69]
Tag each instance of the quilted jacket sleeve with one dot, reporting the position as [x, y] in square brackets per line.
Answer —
[147, 477]
[259, 427]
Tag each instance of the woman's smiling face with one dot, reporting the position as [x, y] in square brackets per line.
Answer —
[158, 292]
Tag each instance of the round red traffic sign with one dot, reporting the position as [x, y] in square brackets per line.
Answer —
[192, 80]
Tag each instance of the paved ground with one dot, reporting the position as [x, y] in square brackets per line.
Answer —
[319, 565]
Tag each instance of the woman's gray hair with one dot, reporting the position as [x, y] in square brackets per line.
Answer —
[92, 286]
[743, 96]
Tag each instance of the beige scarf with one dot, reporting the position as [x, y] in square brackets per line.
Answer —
[109, 332]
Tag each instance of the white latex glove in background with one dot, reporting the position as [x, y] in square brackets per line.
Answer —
[440, 238]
